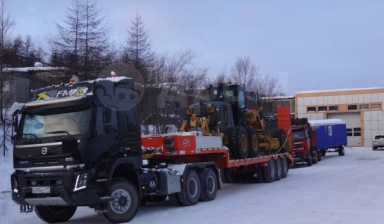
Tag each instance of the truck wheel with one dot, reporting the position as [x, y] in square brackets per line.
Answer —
[253, 142]
[238, 143]
[55, 214]
[223, 176]
[318, 153]
[269, 172]
[190, 191]
[341, 151]
[157, 198]
[285, 167]
[323, 152]
[174, 199]
[124, 201]
[279, 168]
[309, 160]
[209, 184]
[314, 157]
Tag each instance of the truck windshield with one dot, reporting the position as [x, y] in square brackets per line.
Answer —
[377, 137]
[63, 121]
[299, 135]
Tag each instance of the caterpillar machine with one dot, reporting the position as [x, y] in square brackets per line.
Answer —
[79, 144]
[242, 129]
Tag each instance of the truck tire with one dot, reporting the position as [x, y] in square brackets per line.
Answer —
[157, 198]
[373, 148]
[285, 167]
[223, 176]
[190, 190]
[318, 155]
[125, 201]
[174, 199]
[314, 157]
[309, 160]
[341, 151]
[279, 168]
[55, 214]
[238, 143]
[323, 152]
[269, 172]
[208, 184]
[253, 142]
[280, 134]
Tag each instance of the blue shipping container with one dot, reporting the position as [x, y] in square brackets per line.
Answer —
[330, 133]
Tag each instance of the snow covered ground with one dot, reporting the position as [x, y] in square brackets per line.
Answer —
[337, 190]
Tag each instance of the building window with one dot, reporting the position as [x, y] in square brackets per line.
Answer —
[311, 109]
[322, 109]
[333, 108]
[376, 106]
[357, 132]
[352, 107]
[349, 131]
[364, 106]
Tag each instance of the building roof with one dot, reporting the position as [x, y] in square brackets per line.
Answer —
[279, 98]
[340, 92]
[29, 69]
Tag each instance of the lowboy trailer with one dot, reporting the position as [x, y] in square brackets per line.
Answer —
[79, 144]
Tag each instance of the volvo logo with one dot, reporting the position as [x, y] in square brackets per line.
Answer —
[44, 150]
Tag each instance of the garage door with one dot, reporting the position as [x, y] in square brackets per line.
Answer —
[353, 126]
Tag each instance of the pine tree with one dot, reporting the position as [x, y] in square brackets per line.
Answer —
[82, 43]
[137, 51]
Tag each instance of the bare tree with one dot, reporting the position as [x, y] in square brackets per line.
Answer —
[6, 25]
[82, 41]
[137, 50]
[220, 77]
[245, 73]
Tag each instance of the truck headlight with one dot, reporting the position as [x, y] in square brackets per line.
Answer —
[81, 181]
[15, 186]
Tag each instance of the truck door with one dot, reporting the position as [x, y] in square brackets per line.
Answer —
[106, 130]
[129, 131]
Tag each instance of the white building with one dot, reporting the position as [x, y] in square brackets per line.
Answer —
[361, 109]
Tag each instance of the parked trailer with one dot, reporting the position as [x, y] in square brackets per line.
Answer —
[79, 144]
[331, 135]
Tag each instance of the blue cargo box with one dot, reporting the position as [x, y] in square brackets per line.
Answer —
[330, 133]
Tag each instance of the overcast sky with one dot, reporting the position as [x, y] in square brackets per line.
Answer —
[309, 45]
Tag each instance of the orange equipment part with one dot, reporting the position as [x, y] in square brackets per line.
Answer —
[285, 123]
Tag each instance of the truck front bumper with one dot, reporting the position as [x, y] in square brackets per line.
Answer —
[60, 195]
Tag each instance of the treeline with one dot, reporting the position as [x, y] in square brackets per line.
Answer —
[170, 81]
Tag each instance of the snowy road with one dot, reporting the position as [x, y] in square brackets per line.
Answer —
[337, 190]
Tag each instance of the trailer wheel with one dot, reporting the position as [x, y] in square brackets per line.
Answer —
[323, 152]
[374, 148]
[238, 143]
[269, 172]
[318, 153]
[190, 191]
[209, 184]
[158, 198]
[230, 175]
[223, 176]
[253, 142]
[124, 201]
[279, 168]
[341, 151]
[285, 167]
[55, 214]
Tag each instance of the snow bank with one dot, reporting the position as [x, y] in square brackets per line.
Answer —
[326, 122]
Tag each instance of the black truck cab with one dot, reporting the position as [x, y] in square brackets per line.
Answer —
[70, 139]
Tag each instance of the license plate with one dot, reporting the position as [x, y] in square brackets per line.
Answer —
[41, 190]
